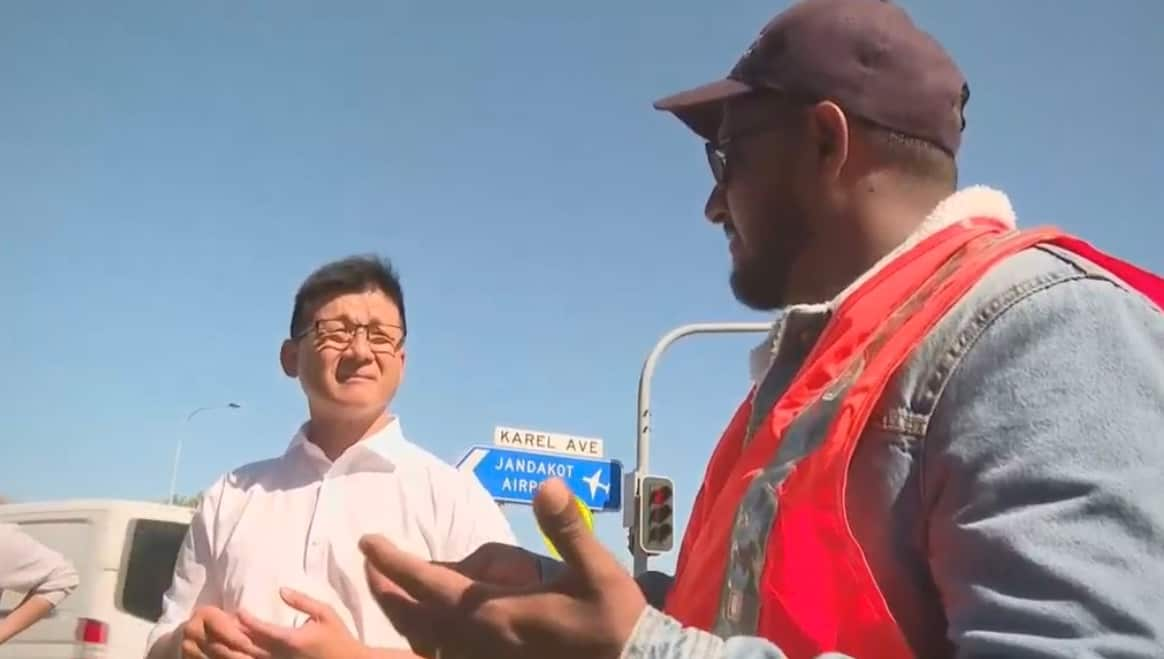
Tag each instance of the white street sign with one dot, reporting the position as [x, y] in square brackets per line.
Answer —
[536, 440]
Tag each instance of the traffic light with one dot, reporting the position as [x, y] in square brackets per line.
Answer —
[656, 515]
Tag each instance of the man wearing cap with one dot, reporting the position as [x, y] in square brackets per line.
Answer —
[952, 446]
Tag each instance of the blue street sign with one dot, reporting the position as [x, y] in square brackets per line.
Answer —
[513, 476]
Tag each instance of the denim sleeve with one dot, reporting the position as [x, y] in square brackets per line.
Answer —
[657, 636]
[1044, 480]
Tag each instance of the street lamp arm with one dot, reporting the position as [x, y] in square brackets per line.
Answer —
[670, 338]
[196, 413]
[227, 406]
[178, 444]
[643, 431]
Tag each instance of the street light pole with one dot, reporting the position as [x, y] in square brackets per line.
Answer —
[643, 441]
[178, 447]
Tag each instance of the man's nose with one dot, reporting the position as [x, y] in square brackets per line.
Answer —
[360, 346]
[716, 209]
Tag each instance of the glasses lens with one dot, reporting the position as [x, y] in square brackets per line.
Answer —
[341, 333]
[383, 339]
[717, 161]
[333, 330]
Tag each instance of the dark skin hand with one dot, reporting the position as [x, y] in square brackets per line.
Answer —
[587, 612]
[501, 565]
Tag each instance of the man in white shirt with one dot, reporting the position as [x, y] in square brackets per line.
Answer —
[44, 576]
[271, 564]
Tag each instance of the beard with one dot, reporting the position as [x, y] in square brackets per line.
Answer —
[762, 274]
[761, 283]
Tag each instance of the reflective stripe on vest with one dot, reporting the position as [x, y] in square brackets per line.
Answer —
[768, 550]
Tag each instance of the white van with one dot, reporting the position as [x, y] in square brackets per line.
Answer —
[124, 552]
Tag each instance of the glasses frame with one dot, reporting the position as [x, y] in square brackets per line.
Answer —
[354, 328]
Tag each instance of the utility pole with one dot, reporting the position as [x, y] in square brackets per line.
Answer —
[631, 519]
[178, 448]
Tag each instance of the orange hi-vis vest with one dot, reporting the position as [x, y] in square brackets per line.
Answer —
[814, 587]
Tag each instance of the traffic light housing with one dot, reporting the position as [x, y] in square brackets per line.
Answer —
[656, 515]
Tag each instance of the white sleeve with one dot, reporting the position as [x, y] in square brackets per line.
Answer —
[27, 566]
[475, 519]
[193, 583]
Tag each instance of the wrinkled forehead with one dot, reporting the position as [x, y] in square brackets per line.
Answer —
[363, 307]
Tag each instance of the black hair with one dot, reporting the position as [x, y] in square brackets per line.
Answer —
[355, 274]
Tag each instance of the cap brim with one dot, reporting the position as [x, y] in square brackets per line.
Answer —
[701, 108]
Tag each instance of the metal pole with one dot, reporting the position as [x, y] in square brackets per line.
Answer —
[643, 441]
[178, 447]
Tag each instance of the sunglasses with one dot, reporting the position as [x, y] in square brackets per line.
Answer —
[717, 152]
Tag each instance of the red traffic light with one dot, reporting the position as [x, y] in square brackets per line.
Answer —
[656, 531]
[660, 495]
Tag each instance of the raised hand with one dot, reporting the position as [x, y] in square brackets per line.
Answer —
[588, 611]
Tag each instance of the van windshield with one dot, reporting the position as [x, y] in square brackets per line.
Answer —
[149, 566]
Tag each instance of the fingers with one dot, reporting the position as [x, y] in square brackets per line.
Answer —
[264, 633]
[309, 605]
[421, 580]
[219, 651]
[433, 627]
[383, 586]
[418, 623]
[190, 650]
[224, 636]
[559, 518]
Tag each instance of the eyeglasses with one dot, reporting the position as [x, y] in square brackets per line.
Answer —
[339, 334]
[717, 152]
[717, 161]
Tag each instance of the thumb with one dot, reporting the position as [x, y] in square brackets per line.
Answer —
[309, 605]
[559, 518]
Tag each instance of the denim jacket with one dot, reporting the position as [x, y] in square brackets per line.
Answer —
[1008, 492]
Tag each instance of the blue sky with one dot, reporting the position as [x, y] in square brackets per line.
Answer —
[169, 172]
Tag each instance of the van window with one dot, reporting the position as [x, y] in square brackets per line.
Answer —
[149, 566]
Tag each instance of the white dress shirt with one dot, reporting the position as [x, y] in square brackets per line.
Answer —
[30, 568]
[296, 521]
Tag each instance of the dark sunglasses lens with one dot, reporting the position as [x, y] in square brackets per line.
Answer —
[717, 162]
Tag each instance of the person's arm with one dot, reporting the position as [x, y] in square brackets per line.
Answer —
[32, 609]
[190, 588]
[29, 567]
[1044, 480]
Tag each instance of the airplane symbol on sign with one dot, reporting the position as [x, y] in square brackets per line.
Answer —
[595, 483]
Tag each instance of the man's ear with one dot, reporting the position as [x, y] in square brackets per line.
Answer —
[829, 131]
[403, 357]
[289, 358]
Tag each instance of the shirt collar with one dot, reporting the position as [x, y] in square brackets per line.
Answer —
[961, 206]
[376, 452]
